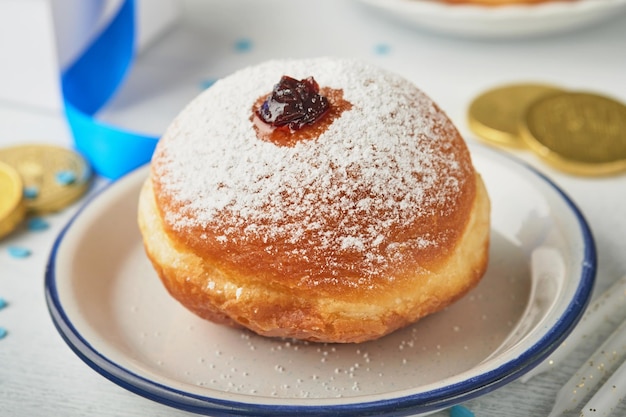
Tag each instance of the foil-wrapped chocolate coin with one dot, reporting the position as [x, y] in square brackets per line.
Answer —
[12, 207]
[495, 115]
[578, 132]
[53, 177]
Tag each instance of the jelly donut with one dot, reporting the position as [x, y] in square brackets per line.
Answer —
[323, 199]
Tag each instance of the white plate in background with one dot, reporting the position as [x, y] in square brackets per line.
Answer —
[502, 21]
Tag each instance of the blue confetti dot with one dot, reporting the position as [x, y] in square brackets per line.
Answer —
[19, 252]
[31, 192]
[37, 224]
[382, 49]
[460, 411]
[3, 332]
[65, 177]
[3, 303]
[207, 83]
[243, 45]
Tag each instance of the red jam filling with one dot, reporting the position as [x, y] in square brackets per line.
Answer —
[294, 103]
[296, 110]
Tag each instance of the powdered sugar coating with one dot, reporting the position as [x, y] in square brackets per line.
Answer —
[376, 171]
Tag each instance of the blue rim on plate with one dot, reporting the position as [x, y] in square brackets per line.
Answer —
[422, 402]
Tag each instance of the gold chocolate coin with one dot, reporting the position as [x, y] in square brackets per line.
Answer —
[12, 207]
[578, 132]
[495, 114]
[53, 177]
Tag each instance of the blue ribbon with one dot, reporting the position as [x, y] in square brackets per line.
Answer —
[88, 83]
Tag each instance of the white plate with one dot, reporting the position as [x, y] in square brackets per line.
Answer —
[110, 307]
[500, 22]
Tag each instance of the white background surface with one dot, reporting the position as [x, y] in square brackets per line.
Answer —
[40, 376]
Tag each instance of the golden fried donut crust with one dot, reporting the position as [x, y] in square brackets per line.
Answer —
[272, 309]
[343, 237]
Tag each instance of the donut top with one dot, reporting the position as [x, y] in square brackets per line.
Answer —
[385, 188]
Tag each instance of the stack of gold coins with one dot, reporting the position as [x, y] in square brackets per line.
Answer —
[577, 132]
[12, 205]
[39, 179]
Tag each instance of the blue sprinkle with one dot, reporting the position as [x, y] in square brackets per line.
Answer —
[19, 252]
[3, 332]
[37, 224]
[460, 411]
[207, 83]
[382, 49]
[243, 45]
[31, 192]
[65, 177]
[3, 303]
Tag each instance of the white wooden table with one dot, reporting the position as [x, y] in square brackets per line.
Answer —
[39, 374]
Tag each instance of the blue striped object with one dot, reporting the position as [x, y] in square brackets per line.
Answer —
[88, 83]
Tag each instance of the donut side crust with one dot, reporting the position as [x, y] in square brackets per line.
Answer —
[268, 308]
